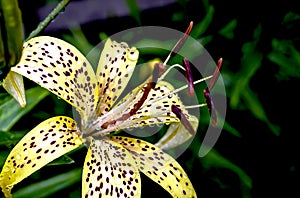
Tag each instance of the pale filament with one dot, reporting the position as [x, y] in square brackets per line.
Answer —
[182, 88]
[195, 106]
[169, 69]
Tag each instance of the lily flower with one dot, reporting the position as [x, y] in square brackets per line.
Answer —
[113, 163]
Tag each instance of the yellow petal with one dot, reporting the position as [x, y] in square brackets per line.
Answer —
[177, 134]
[146, 70]
[13, 84]
[115, 67]
[62, 69]
[110, 171]
[46, 142]
[158, 166]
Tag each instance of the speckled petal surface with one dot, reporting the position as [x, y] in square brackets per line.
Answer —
[110, 171]
[47, 141]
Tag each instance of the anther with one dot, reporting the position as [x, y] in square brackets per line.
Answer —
[180, 42]
[177, 111]
[189, 77]
[208, 98]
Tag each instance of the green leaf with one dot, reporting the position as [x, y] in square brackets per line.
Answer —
[12, 31]
[79, 40]
[201, 27]
[286, 56]
[291, 16]
[134, 10]
[250, 62]
[11, 112]
[215, 159]
[65, 159]
[227, 30]
[241, 94]
[50, 186]
[257, 110]
[10, 138]
[61, 161]
[3, 156]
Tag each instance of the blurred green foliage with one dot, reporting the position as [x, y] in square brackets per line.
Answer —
[11, 35]
[11, 112]
[258, 61]
[50, 186]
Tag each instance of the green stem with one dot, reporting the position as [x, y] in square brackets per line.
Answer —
[42, 25]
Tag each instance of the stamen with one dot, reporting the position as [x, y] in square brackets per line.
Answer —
[169, 69]
[208, 98]
[177, 111]
[211, 107]
[195, 106]
[158, 75]
[158, 68]
[215, 75]
[180, 43]
[136, 107]
[181, 88]
[189, 77]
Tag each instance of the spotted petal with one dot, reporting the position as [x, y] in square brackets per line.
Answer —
[116, 65]
[46, 142]
[62, 69]
[110, 171]
[158, 166]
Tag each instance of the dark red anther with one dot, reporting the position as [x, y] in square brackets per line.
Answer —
[215, 75]
[208, 98]
[210, 106]
[189, 77]
[177, 111]
[180, 43]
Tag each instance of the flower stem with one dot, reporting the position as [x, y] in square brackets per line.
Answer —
[42, 25]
